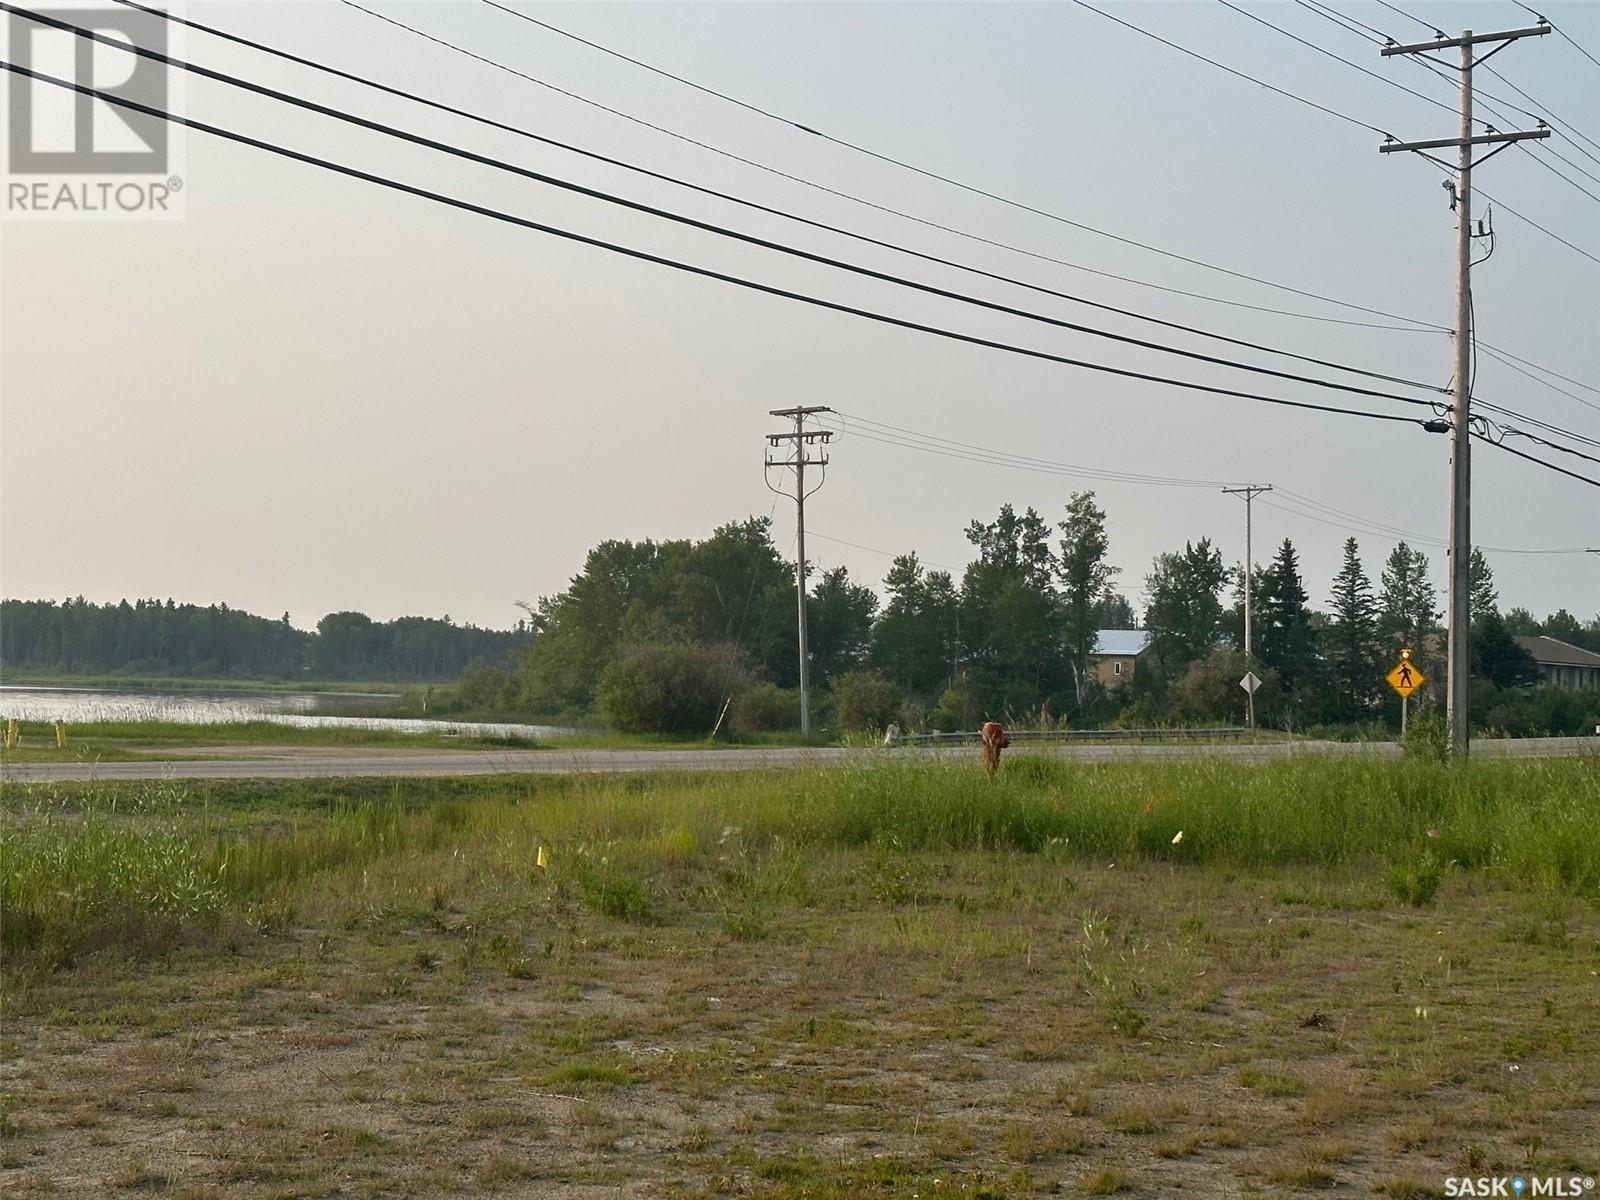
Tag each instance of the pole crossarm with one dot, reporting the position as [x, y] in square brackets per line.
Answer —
[1482, 139]
[1468, 39]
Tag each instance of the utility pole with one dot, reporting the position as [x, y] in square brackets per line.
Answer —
[1249, 492]
[800, 440]
[1460, 551]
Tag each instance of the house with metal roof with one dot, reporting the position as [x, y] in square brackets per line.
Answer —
[1117, 654]
[1563, 664]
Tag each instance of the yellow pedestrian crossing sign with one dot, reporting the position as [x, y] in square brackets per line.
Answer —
[1405, 678]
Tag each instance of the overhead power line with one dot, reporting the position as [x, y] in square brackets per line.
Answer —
[1330, 112]
[228, 36]
[945, 179]
[690, 268]
[1354, 24]
[1527, 220]
[1323, 50]
[491, 122]
[1542, 462]
[580, 150]
[855, 425]
[495, 124]
[1211, 62]
[276, 95]
[1567, 179]
[1478, 92]
[1420, 325]
[1532, 437]
[1509, 365]
[1562, 32]
[927, 562]
[1429, 25]
[1412, 325]
[706, 226]
[1546, 111]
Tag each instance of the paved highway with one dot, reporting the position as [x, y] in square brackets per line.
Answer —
[306, 762]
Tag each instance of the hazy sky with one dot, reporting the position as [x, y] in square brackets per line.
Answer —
[313, 394]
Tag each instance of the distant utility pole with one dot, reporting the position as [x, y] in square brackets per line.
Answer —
[800, 440]
[1249, 493]
[1460, 550]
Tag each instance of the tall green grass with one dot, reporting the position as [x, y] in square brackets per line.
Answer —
[141, 865]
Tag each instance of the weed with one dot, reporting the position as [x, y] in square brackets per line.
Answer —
[617, 895]
[1103, 1181]
[1269, 1084]
[1414, 883]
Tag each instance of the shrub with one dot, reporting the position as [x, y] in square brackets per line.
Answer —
[658, 688]
[765, 708]
[1143, 713]
[1209, 690]
[489, 688]
[1415, 883]
[617, 895]
[955, 710]
[1427, 736]
[865, 700]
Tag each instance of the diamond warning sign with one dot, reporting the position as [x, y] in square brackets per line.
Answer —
[1405, 678]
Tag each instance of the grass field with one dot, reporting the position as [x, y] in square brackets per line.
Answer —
[887, 981]
[112, 741]
[122, 741]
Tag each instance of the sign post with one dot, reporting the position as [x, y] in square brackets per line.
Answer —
[1405, 678]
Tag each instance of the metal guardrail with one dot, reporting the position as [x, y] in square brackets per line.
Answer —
[1224, 734]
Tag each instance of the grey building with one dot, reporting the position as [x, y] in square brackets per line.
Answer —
[1563, 664]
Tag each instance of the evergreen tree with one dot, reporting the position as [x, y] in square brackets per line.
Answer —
[1351, 638]
[1113, 611]
[1480, 586]
[1495, 656]
[1286, 641]
[1408, 609]
[915, 642]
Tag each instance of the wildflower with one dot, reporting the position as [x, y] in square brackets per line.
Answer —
[543, 860]
[1177, 837]
[1433, 833]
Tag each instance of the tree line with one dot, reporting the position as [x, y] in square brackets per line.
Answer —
[691, 635]
[156, 637]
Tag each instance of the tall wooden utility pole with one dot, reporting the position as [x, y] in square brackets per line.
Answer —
[1249, 493]
[1460, 551]
[800, 439]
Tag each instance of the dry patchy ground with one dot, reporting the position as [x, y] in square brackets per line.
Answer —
[845, 1023]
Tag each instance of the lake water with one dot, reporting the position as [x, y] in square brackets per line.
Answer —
[303, 709]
